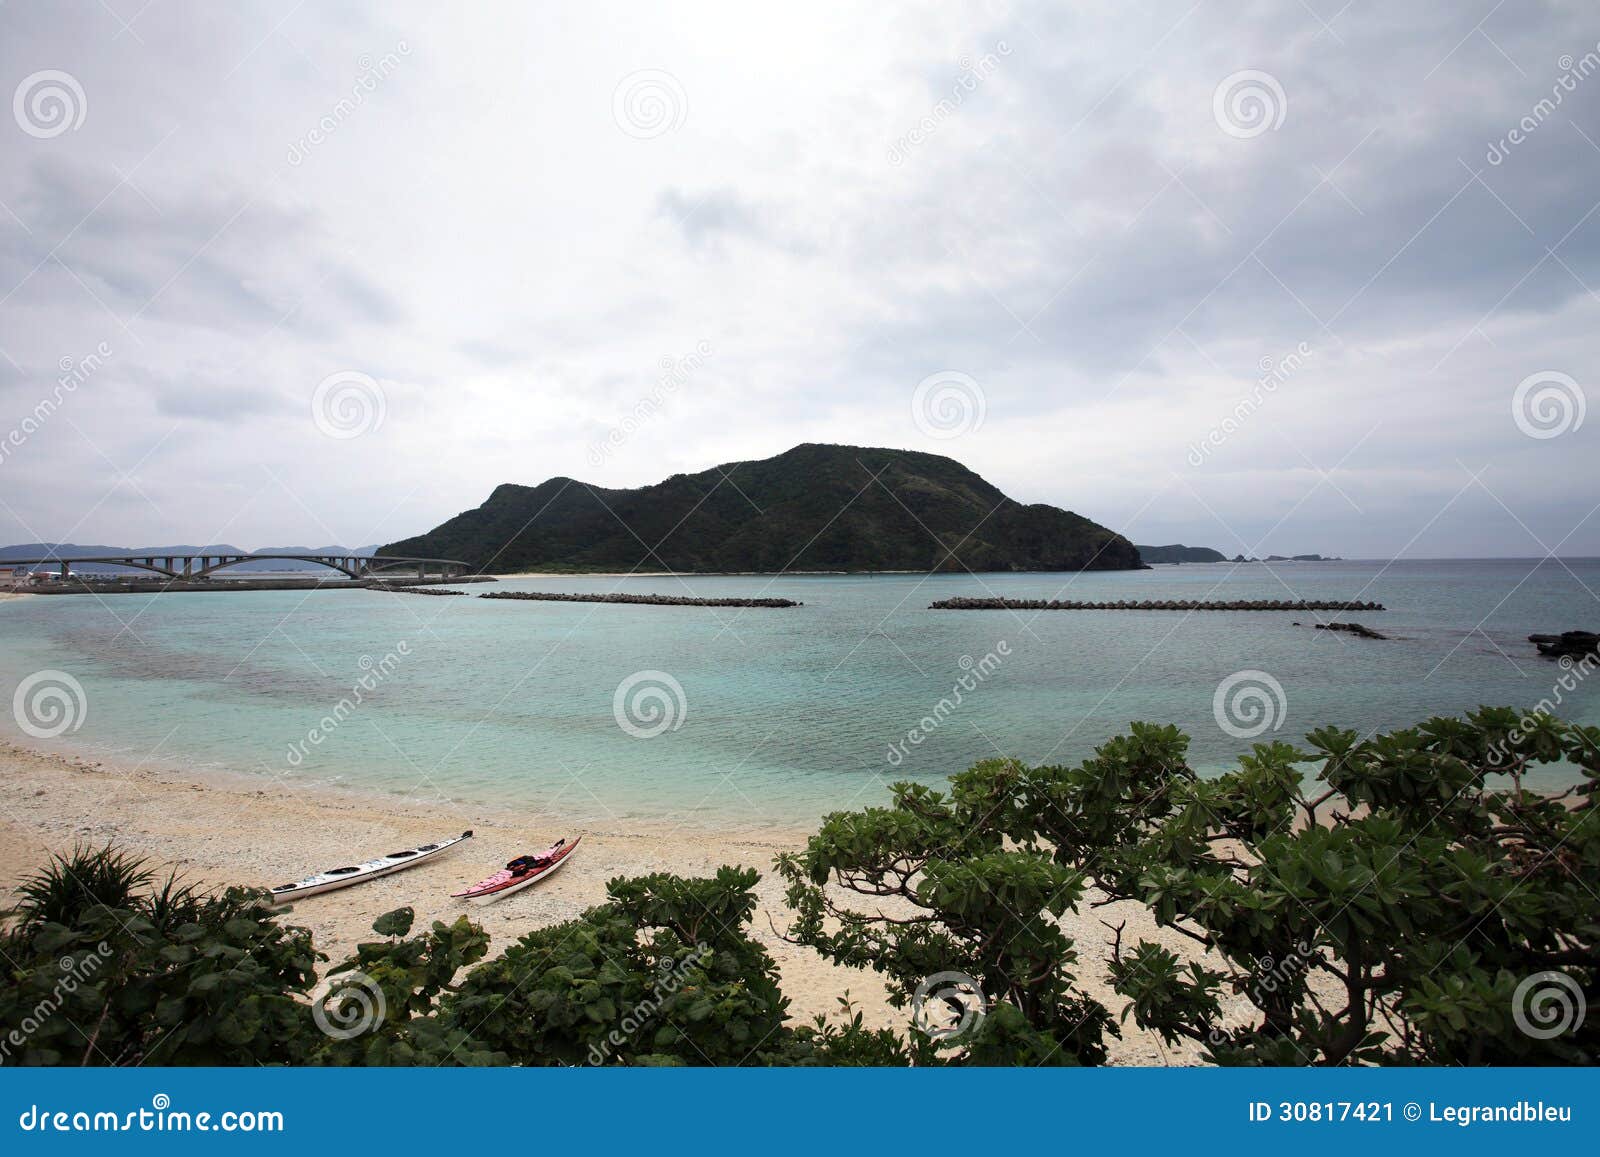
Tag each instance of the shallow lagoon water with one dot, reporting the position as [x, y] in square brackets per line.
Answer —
[784, 714]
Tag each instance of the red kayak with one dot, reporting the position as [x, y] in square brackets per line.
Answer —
[520, 873]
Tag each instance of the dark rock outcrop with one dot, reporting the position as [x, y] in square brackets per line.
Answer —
[1571, 644]
[1353, 629]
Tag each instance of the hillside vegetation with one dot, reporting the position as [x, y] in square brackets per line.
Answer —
[811, 508]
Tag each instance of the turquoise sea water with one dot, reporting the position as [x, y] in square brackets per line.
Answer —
[783, 714]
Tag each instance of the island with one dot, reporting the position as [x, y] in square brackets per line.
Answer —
[1178, 553]
[812, 508]
[1290, 558]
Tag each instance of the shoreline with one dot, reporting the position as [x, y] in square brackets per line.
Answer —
[620, 574]
[229, 827]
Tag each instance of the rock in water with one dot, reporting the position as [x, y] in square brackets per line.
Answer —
[1572, 644]
[1351, 628]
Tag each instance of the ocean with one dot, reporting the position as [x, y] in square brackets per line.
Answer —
[738, 717]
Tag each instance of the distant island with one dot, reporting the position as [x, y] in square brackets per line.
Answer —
[1179, 553]
[813, 508]
[1289, 558]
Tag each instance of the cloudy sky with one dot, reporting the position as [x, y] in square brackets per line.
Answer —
[330, 273]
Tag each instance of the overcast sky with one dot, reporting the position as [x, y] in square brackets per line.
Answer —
[332, 273]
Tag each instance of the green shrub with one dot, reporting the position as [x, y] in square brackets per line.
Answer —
[1412, 902]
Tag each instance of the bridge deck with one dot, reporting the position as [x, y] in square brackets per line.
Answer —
[183, 566]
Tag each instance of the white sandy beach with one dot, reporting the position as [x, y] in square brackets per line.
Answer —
[223, 829]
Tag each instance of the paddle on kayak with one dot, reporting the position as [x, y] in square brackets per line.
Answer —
[520, 873]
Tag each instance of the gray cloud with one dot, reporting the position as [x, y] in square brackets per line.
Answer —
[1037, 195]
[707, 216]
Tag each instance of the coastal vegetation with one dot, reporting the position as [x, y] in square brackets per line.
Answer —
[812, 508]
[1398, 898]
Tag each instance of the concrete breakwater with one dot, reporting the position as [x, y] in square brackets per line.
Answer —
[123, 585]
[409, 589]
[642, 600]
[1147, 605]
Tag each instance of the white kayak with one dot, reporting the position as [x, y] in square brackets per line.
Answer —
[359, 873]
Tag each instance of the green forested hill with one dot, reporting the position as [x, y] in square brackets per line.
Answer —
[1181, 553]
[815, 507]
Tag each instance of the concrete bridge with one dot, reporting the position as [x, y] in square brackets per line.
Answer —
[199, 566]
